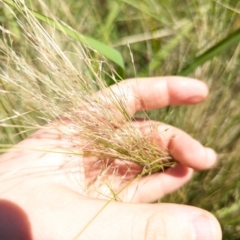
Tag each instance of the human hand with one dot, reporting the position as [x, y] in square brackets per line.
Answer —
[46, 186]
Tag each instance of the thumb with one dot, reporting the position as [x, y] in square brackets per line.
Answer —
[153, 221]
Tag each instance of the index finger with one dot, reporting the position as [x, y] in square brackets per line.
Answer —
[151, 93]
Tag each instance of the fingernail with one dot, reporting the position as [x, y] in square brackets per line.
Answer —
[211, 157]
[203, 228]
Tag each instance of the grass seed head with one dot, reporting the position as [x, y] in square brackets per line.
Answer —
[55, 88]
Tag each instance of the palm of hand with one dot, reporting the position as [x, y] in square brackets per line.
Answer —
[47, 176]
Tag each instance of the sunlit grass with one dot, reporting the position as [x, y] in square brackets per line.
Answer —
[158, 38]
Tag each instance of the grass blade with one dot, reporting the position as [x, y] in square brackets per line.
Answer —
[143, 7]
[210, 53]
[110, 53]
[169, 47]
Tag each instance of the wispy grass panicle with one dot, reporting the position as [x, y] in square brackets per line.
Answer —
[56, 88]
[48, 74]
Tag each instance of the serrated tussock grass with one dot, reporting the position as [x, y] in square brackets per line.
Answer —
[56, 89]
[151, 30]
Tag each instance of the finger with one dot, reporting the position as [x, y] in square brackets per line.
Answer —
[67, 215]
[182, 147]
[101, 220]
[153, 187]
[152, 93]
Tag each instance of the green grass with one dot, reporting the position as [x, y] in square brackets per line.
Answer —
[187, 37]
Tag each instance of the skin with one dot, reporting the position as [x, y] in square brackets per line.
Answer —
[48, 188]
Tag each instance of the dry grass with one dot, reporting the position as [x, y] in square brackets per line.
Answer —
[54, 89]
[34, 79]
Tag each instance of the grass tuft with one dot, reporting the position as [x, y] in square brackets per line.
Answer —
[42, 80]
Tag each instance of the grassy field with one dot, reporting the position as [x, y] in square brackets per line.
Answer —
[156, 38]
